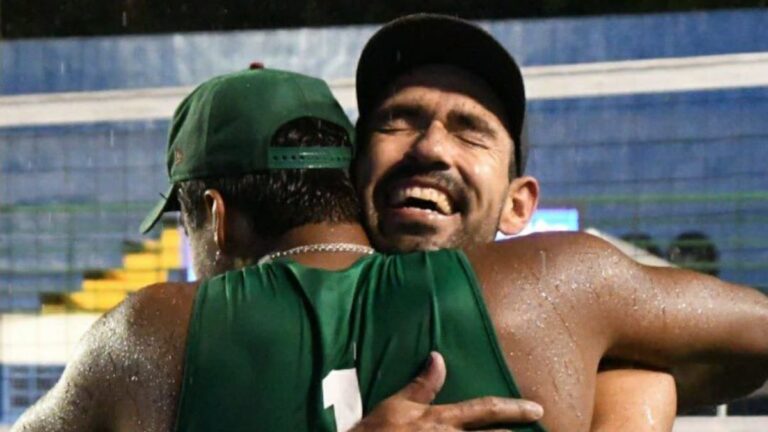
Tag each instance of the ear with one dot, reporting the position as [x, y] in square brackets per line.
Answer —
[217, 212]
[522, 200]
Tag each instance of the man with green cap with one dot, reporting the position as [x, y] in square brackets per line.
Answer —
[259, 151]
[324, 329]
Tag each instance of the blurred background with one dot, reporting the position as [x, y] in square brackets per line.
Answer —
[647, 121]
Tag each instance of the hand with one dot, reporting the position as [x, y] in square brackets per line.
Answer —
[410, 409]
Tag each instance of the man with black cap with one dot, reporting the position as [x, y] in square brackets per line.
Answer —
[325, 329]
[432, 174]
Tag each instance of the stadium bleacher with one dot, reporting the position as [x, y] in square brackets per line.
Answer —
[71, 199]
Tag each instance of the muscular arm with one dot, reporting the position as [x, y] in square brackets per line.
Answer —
[597, 302]
[81, 399]
[677, 318]
[714, 334]
[126, 371]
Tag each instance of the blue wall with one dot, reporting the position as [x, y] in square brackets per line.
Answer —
[22, 385]
[663, 164]
[71, 199]
[72, 196]
[75, 64]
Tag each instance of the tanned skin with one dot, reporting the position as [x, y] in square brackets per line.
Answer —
[443, 128]
[134, 353]
[575, 301]
[559, 303]
[126, 374]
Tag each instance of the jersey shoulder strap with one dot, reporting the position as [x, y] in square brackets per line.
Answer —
[432, 301]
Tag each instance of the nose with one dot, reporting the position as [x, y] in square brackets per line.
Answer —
[432, 145]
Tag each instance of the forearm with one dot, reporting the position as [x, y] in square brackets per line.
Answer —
[634, 400]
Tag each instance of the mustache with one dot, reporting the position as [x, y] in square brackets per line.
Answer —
[407, 170]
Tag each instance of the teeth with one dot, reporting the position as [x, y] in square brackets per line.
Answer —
[441, 200]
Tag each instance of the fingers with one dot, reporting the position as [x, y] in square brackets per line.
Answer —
[412, 405]
[425, 387]
[488, 411]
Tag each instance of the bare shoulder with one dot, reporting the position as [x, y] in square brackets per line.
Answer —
[560, 272]
[153, 317]
[139, 341]
[158, 308]
[572, 278]
[548, 254]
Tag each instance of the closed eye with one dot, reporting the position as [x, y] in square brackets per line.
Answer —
[471, 128]
[399, 119]
[473, 139]
[467, 121]
[393, 126]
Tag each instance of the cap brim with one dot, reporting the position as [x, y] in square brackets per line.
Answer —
[167, 203]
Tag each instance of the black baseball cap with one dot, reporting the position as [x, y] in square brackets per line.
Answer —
[422, 39]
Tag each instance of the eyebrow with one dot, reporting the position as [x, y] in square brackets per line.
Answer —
[471, 121]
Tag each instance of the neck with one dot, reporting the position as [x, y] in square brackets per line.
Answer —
[321, 233]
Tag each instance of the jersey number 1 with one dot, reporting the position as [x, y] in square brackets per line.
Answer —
[342, 391]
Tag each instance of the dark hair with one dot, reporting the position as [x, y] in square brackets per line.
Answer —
[696, 251]
[279, 200]
[643, 241]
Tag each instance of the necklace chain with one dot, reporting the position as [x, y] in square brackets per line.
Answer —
[319, 247]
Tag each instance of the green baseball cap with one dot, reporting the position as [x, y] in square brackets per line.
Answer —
[225, 128]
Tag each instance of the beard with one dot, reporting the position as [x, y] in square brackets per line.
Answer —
[420, 237]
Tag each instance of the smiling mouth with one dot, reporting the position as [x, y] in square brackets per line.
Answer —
[422, 198]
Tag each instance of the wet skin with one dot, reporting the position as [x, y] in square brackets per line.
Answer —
[559, 303]
[434, 172]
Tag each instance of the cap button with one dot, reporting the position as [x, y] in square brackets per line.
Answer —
[256, 65]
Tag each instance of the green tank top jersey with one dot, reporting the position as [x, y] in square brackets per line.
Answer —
[284, 347]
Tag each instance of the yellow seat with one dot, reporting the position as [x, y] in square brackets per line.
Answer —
[151, 265]
[96, 285]
[94, 301]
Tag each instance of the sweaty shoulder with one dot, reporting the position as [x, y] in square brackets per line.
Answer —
[545, 254]
[125, 372]
[160, 308]
[155, 321]
[575, 275]
[545, 295]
